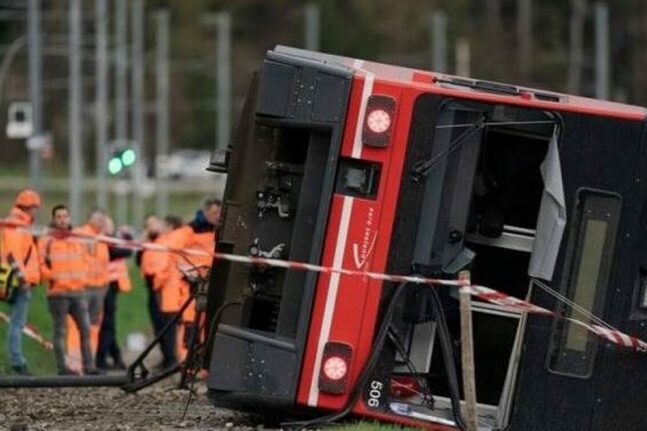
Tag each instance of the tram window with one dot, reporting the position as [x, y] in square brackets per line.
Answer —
[588, 275]
[589, 258]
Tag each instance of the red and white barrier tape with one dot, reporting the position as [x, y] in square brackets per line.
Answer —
[31, 331]
[493, 296]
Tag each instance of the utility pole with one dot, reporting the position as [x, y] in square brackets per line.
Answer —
[138, 107]
[15, 46]
[75, 110]
[576, 58]
[312, 26]
[602, 75]
[101, 99]
[162, 107]
[121, 102]
[524, 37]
[223, 79]
[35, 87]
[438, 24]
[222, 21]
[463, 57]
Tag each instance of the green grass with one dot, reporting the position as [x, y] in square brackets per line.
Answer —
[132, 316]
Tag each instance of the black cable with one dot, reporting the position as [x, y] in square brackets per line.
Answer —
[428, 398]
[192, 370]
[448, 358]
[362, 380]
[212, 326]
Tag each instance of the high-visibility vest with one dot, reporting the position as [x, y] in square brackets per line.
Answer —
[20, 245]
[152, 262]
[63, 265]
[203, 241]
[118, 272]
[169, 280]
[97, 257]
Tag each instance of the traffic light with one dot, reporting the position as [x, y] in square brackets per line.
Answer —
[121, 158]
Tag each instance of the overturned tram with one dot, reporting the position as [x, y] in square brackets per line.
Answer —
[346, 163]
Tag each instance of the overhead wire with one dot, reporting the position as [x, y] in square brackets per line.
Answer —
[494, 123]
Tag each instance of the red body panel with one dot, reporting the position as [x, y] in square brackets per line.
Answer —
[354, 317]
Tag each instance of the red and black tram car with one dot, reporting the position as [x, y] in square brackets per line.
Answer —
[352, 164]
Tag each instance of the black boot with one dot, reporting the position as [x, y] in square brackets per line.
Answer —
[101, 363]
[21, 370]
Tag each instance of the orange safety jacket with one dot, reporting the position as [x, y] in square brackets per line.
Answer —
[168, 280]
[62, 264]
[203, 241]
[97, 257]
[118, 272]
[152, 262]
[20, 245]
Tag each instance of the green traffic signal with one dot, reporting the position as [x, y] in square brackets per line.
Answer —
[128, 157]
[115, 165]
[120, 158]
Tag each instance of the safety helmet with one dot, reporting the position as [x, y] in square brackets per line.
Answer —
[28, 198]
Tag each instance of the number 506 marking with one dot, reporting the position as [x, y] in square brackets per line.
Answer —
[375, 394]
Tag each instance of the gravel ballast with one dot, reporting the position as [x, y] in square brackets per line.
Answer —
[158, 408]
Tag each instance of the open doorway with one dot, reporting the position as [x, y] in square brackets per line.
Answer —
[483, 186]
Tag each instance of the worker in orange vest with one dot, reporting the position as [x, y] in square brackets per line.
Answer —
[119, 283]
[200, 236]
[149, 265]
[17, 247]
[97, 257]
[64, 269]
[167, 284]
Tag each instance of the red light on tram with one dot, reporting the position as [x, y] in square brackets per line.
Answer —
[378, 121]
[335, 367]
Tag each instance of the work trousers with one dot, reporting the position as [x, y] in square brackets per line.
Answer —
[95, 296]
[17, 323]
[153, 306]
[108, 346]
[76, 306]
[168, 339]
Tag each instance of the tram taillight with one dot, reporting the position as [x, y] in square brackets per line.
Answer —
[378, 121]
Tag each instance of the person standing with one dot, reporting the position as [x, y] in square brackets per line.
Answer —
[200, 236]
[97, 257]
[119, 282]
[64, 269]
[149, 265]
[167, 283]
[19, 250]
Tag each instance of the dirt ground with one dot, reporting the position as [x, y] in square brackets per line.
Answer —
[158, 408]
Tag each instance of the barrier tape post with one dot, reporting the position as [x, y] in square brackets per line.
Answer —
[467, 353]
